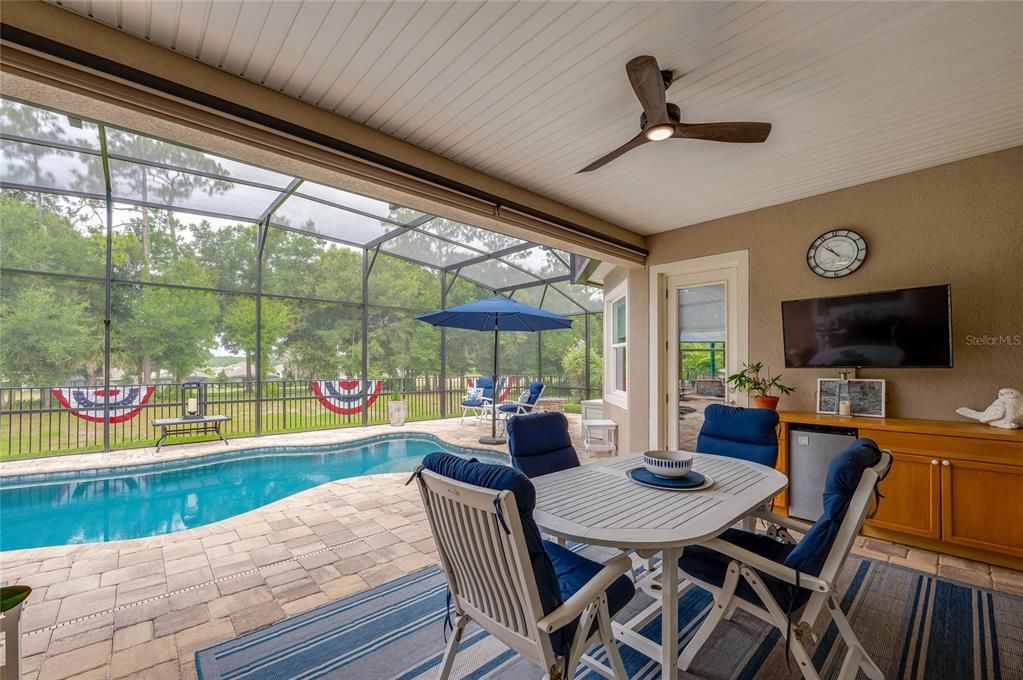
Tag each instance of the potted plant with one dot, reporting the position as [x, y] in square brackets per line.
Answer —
[749, 380]
[397, 409]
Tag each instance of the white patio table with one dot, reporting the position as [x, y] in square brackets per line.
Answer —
[598, 504]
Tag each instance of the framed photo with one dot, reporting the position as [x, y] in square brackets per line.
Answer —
[866, 396]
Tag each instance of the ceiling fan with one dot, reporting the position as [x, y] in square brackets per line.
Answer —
[661, 120]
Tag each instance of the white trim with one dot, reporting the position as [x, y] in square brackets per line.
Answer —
[619, 398]
[738, 260]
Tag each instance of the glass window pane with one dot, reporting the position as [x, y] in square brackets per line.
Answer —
[363, 204]
[701, 313]
[405, 354]
[51, 338]
[185, 191]
[51, 233]
[395, 282]
[620, 368]
[425, 248]
[539, 261]
[618, 329]
[307, 266]
[180, 248]
[597, 360]
[563, 355]
[39, 167]
[52, 332]
[473, 237]
[298, 212]
[32, 122]
[591, 298]
[496, 274]
[322, 344]
[161, 337]
[138, 147]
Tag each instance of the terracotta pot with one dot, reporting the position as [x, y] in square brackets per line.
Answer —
[765, 402]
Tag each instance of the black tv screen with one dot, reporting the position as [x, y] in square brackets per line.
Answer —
[905, 328]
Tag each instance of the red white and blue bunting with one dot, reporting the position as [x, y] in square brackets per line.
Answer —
[87, 402]
[504, 387]
[345, 396]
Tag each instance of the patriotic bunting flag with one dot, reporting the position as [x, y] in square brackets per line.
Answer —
[503, 384]
[344, 396]
[87, 402]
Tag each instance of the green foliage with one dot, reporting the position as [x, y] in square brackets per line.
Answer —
[574, 363]
[748, 380]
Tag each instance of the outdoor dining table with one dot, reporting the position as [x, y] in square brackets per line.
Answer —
[599, 505]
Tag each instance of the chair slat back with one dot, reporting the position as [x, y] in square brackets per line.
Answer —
[488, 568]
[855, 515]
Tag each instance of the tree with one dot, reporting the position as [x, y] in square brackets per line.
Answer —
[239, 324]
[46, 335]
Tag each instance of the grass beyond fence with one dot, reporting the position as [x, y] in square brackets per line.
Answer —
[34, 423]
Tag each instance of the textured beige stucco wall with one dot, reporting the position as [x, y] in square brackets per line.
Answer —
[960, 223]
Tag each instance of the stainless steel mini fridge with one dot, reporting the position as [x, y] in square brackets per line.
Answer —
[811, 450]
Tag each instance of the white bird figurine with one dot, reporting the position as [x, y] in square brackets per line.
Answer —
[1006, 411]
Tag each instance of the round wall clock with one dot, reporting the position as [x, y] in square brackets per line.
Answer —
[836, 253]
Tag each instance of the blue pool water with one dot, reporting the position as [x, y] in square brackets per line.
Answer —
[148, 500]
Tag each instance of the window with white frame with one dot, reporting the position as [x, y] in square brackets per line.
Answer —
[616, 318]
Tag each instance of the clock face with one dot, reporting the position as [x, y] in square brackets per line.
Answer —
[836, 253]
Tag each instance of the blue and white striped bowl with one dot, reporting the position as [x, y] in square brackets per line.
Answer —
[670, 464]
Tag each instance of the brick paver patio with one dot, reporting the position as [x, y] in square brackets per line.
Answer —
[143, 607]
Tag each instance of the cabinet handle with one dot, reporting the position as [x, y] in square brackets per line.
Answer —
[945, 463]
[934, 461]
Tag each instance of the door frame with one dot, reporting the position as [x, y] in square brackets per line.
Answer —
[659, 337]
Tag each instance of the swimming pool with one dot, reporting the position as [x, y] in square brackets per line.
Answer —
[148, 500]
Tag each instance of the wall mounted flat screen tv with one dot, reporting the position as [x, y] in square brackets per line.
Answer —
[907, 328]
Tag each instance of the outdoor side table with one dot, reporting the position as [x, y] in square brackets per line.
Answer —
[600, 434]
[198, 425]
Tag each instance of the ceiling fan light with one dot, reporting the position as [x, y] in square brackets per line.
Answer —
[659, 132]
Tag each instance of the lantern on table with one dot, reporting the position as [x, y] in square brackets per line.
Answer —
[193, 399]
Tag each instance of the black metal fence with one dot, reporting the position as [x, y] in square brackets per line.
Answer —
[34, 421]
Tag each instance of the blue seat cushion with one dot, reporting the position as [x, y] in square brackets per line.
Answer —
[573, 572]
[539, 444]
[745, 433]
[505, 478]
[508, 408]
[710, 566]
[807, 556]
[472, 402]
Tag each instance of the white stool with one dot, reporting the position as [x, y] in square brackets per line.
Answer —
[600, 436]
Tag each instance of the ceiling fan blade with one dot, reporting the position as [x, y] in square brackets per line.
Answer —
[638, 140]
[646, 80]
[739, 133]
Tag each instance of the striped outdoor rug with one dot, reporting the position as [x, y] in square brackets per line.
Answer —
[916, 627]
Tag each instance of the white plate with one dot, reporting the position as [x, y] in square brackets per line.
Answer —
[707, 483]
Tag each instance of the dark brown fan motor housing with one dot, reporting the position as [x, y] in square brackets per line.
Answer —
[661, 120]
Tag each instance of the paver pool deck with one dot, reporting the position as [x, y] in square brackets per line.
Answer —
[143, 607]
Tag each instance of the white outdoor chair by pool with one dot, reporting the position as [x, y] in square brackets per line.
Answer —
[483, 537]
[755, 573]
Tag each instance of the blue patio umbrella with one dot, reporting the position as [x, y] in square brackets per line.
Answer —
[497, 314]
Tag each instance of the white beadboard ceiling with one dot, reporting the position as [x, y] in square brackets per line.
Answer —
[529, 92]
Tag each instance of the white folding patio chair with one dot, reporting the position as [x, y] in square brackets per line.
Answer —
[483, 553]
[747, 567]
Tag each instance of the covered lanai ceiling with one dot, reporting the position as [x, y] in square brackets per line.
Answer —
[530, 92]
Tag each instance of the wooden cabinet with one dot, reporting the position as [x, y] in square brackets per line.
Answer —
[953, 487]
[982, 505]
[911, 496]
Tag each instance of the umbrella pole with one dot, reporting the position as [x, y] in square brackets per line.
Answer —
[493, 438]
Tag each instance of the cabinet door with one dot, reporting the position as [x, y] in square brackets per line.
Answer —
[911, 496]
[981, 506]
